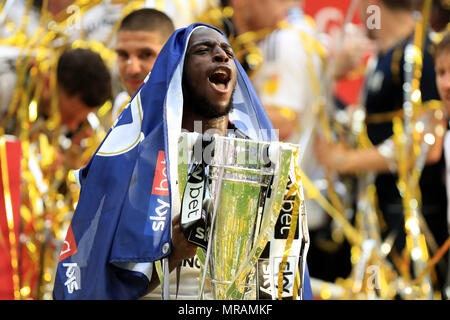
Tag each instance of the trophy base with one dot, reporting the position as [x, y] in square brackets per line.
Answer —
[245, 291]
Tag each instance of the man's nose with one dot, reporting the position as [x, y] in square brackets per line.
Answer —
[219, 55]
[133, 65]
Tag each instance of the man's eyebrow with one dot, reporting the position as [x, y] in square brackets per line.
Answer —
[211, 43]
[121, 51]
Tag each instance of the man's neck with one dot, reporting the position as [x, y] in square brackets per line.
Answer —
[196, 123]
[395, 27]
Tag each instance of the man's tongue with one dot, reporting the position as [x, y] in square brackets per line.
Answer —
[220, 85]
[219, 81]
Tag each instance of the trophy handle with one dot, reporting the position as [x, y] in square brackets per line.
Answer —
[213, 221]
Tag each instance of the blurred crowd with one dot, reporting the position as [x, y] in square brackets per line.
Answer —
[373, 169]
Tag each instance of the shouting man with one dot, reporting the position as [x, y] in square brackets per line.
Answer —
[126, 226]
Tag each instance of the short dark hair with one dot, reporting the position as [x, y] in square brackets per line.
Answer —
[148, 19]
[400, 4]
[83, 72]
[440, 15]
[443, 45]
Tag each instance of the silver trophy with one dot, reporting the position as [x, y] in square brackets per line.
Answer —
[242, 185]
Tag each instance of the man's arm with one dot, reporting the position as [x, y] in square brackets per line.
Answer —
[340, 158]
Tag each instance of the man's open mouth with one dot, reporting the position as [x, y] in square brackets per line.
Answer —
[220, 78]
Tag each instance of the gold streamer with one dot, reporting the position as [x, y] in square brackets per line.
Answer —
[160, 5]
[441, 252]
[312, 46]
[419, 109]
[10, 219]
[351, 233]
[408, 151]
[44, 212]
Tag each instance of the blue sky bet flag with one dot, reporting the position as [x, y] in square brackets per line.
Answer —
[129, 194]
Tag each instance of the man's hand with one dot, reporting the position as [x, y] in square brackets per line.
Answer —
[331, 156]
[181, 248]
[351, 53]
[284, 120]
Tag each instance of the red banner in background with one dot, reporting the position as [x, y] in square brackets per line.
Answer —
[329, 16]
[13, 155]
